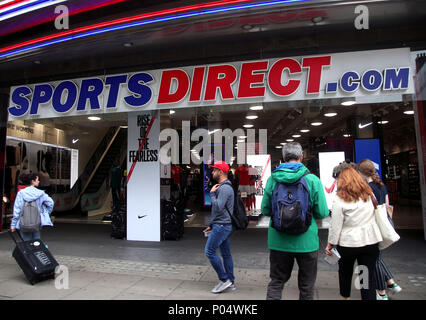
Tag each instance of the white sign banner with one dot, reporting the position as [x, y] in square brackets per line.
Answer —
[262, 166]
[327, 162]
[384, 74]
[143, 177]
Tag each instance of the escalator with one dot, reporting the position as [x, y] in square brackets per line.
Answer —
[97, 190]
[92, 188]
[106, 165]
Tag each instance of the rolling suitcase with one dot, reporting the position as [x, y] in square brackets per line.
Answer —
[34, 258]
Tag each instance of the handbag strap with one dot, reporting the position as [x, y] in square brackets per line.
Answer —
[374, 200]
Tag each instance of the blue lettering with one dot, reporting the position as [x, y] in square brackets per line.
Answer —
[331, 87]
[396, 79]
[71, 97]
[372, 80]
[42, 94]
[142, 93]
[350, 81]
[90, 89]
[22, 103]
[114, 83]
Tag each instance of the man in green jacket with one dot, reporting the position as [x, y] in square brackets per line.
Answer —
[285, 248]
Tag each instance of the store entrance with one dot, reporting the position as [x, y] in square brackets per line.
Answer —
[78, 154]
[330, 132]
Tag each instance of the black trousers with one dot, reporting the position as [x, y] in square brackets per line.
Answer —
[281, 266]
[365, 257]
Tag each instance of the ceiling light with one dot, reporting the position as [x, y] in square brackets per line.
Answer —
[383, 122]
[283, 143]
[242, 137]
[409, 112]
[251, 117]
[348, 102]
[37, 62]
[248, 126]
[330, 114]
[317, 19]
[346, 135]
[172, 111]
[94, 118]
[316, 124]
[296, 135]
[128, 44]
[305, 130]
[255, 108]
[290, 140]
[241, 140]
[278, 147]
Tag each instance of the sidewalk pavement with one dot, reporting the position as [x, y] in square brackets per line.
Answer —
[107, 278]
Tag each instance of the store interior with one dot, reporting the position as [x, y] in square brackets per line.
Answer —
[323, 125]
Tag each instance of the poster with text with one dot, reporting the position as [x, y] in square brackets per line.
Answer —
[143, 177]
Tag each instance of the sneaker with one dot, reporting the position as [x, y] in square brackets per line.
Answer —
[394, 288]
[222, 286]
[380, 297]
[232, 287]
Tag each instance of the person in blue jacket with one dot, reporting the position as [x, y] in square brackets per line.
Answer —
[30, 193]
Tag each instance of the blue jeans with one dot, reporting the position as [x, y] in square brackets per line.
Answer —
[219, 238]
[30, 235]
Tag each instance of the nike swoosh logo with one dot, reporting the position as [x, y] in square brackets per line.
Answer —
[75, 140]
[361, 126]
[140, 217]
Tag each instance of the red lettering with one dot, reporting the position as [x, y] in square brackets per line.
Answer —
[164, 95]
[275, 74]
[283, 18]
[197, 84]
[221, 77]
[315, 65]
[247, 78]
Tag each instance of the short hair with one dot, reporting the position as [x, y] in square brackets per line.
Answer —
[292, 151]
[27, 178]
[338, 169]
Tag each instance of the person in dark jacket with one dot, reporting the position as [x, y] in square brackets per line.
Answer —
[384, 278]
[220, 227]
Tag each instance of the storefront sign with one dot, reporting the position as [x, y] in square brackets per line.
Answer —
[339, 75]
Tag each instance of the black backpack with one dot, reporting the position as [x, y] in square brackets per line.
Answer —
[239, 217]
[291, 208]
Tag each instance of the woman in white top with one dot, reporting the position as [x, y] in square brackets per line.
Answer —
[355, 233]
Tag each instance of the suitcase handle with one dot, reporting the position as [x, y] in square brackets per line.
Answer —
[13, 236]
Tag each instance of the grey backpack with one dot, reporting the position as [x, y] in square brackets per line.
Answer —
[30, 217]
